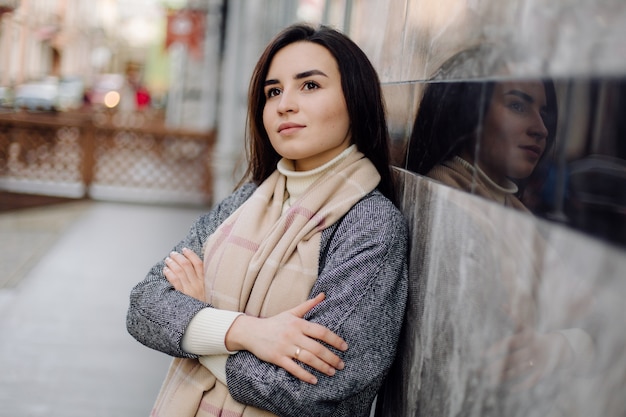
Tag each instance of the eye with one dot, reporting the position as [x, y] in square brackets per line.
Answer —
[517, 106]
[272, 92]
[310, 85]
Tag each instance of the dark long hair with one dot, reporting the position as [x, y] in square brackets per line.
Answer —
[361, 89]
[449, 115]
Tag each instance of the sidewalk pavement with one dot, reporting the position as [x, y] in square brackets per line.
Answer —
[64, 349]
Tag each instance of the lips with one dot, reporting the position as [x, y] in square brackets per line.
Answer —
[534, 149]
[289, 127]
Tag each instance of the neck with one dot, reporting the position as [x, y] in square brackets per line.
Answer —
[507, 187]
[299, 181]
[498, 180]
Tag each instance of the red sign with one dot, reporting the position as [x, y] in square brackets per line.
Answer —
[186, 27]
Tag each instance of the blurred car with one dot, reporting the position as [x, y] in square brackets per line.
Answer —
[37, 95]
[71, 94]
[5, 97]
[50, 94]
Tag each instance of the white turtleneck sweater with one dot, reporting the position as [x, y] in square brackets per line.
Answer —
[206, 333]
[499, 192]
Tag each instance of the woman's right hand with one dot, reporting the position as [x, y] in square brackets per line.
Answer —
[287, 338]
[185, 273]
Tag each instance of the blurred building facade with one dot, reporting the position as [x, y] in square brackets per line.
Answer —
[48, 38]
[82, 39]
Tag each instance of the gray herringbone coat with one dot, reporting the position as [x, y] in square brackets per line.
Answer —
[362, 271]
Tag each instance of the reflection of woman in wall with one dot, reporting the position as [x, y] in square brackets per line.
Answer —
[287, 298]
[487, 138]
[484, 137]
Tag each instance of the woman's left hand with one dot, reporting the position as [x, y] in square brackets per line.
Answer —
[526, 357]
[288, 340]
[186, 273]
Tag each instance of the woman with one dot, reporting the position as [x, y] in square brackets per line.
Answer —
[484, 137]
[287, 298]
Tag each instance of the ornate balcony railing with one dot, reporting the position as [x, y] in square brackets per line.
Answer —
[105, 157]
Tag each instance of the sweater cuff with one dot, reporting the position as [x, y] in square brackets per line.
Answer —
[206, 332]
[216, 364]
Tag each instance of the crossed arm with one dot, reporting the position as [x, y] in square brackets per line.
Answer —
[274, 339]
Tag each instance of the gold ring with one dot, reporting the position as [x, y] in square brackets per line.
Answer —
[297, 352]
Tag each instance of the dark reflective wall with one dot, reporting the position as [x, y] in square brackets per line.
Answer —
[508, 315]
[515, 192]
[517, 270]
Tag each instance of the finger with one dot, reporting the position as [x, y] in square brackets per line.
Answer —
[190, 285]
[195, 260]
[177, 275]
[172, 278]
[305, 307]
[184, 263]
[318, 332]
[315, 362]
[175, 267]
[297, 371]
[320, 357]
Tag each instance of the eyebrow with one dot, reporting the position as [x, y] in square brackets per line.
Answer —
[526, 97]
[520, 94]
[298, 76]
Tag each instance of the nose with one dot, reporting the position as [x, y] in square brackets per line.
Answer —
[288, 102]
[538, 128]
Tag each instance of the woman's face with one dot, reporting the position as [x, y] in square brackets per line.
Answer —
[514, 135]
[305, 113]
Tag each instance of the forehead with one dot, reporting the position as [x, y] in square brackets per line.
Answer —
[532, 88]
[302, 56]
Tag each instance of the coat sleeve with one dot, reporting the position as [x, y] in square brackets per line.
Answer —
[364, 277]
[158, 314]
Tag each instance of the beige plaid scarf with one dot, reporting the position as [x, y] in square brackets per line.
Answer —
[262, 263]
